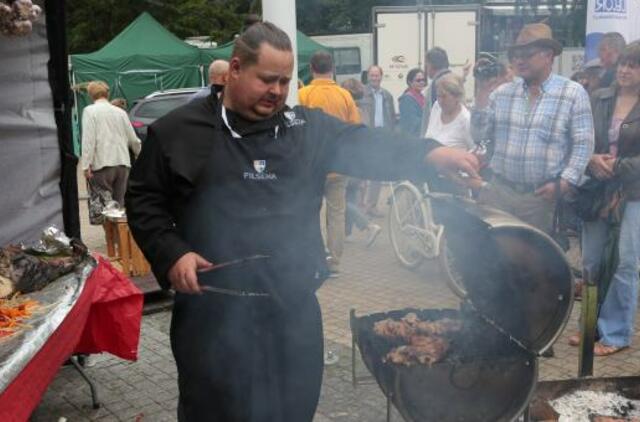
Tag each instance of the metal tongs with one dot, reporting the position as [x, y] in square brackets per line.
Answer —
[233, 263]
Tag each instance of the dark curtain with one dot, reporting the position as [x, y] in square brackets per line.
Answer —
[62, 102]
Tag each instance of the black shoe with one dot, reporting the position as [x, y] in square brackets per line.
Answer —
[549, 353]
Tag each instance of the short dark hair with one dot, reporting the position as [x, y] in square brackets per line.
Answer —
[355, 87]
[631, 55]
[321, 62]
[412, 75]
[247, 45]
[613, 40]
[438, 58]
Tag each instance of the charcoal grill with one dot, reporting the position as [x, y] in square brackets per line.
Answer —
[519, 297]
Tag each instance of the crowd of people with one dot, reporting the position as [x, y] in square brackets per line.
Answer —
[236, 172]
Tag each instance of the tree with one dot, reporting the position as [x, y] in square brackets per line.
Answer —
[93, 23]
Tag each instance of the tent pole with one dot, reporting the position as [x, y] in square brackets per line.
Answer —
[283, 14]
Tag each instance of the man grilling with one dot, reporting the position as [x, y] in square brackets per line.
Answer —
[243, 175]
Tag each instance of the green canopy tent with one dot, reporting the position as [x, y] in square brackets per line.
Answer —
[143, 58]
[306, 48]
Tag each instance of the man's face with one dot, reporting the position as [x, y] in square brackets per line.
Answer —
[531, 63]
[608, 56]
[431, 71]
[258, 91]
[218, 79]
[375, 77]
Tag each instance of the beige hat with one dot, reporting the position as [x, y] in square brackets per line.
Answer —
[536, 34]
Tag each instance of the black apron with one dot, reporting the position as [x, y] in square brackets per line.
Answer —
[252, 358]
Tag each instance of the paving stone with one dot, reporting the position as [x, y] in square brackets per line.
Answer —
[372, 281]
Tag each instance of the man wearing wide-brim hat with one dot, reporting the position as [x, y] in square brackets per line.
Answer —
[540, 131]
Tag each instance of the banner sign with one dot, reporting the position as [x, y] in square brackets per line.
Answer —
[604, 16]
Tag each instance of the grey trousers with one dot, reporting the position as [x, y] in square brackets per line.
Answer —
[112, 179]
[528, 207]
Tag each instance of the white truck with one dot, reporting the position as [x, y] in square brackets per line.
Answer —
[352, 53]
[402, 35]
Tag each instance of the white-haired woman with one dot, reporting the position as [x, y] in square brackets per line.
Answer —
[449, 121]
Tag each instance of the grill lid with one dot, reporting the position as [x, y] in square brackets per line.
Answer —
[515, 276]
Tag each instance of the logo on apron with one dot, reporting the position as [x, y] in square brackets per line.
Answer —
[259, 165]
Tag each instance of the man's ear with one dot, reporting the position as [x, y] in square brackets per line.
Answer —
[234, 68]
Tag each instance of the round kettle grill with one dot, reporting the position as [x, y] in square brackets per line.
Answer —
[519, 297]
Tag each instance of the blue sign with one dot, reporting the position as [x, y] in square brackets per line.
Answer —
[610, 6]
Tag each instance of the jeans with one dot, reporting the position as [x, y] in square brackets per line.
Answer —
[618, 311]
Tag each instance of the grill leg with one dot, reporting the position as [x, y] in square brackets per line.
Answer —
[353, 361]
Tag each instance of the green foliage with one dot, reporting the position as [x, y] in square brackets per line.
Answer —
[93, 23]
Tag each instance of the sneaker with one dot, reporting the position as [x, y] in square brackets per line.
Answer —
[374, 230]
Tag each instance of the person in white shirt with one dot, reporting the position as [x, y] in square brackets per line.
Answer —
[449, 122]
[107, 136]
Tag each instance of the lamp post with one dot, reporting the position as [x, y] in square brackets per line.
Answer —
[283, 14]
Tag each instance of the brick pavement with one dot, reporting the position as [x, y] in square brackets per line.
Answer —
[371, 281]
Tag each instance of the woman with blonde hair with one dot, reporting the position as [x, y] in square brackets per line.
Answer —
[450, 121]
[107, 135]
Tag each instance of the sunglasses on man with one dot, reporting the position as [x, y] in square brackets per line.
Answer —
[523, 54]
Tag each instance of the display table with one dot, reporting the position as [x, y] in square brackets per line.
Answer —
[122, 248]
[104, 317]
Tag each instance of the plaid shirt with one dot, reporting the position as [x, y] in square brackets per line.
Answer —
[554, 138]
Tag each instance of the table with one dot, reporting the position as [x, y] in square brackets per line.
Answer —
[122, 248]
[106, 317]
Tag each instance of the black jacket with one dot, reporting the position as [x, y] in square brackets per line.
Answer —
[197, 188]
[627, 167]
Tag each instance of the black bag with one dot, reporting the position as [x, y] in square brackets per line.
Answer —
[591, 198]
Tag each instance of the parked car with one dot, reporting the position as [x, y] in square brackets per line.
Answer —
[155, 105]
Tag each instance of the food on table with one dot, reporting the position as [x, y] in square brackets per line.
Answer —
[21, 271]
[13, 313]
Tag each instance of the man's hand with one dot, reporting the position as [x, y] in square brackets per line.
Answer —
[601, 166]
[466, 69]
[183, 274]
[88, 174]
[455, 163]
[548, 190]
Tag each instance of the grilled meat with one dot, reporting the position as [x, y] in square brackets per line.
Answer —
[24, 272]
[426, 342]
[422, 349]
[411, 325]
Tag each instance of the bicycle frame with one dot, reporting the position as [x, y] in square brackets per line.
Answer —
[430, 236]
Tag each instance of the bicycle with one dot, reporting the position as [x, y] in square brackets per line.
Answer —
[414, 234]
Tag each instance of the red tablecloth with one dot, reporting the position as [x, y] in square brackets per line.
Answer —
[105, 318]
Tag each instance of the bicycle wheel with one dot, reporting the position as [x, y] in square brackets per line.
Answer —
[407, 219]
[448, 267]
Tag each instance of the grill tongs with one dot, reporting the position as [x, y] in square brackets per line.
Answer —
[232, 263]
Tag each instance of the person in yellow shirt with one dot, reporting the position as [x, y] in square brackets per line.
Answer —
[325, 94]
